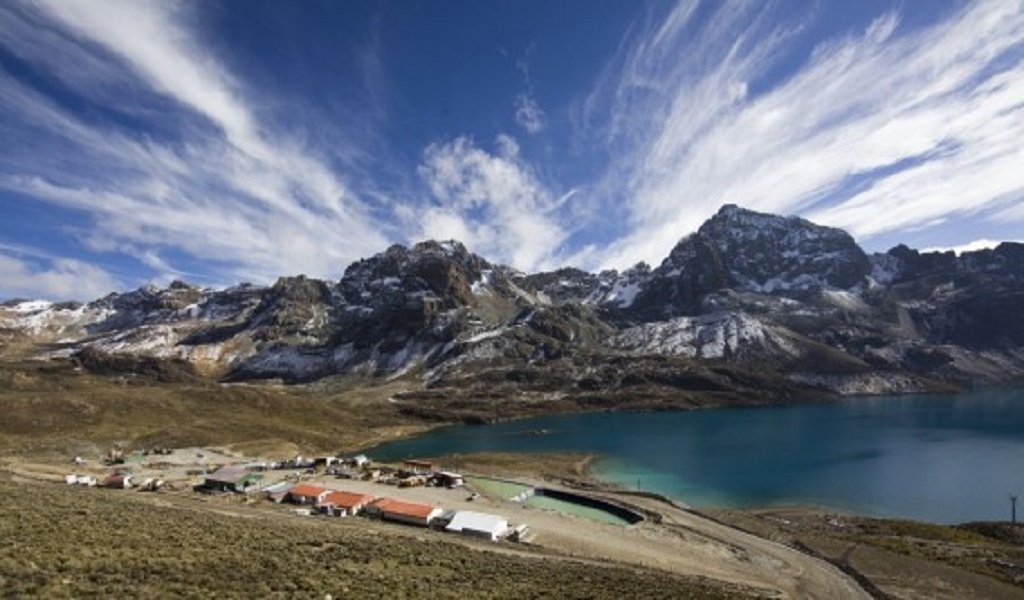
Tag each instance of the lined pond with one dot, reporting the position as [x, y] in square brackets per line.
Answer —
[506, 490]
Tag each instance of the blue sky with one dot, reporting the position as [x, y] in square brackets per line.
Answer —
[220, 142]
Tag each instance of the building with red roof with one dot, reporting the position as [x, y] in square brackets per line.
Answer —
[400, 511]
[340, 503]
[307, 493]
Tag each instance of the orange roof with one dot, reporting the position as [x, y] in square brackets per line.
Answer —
[409, 509]
[306, 489]
[347, 500]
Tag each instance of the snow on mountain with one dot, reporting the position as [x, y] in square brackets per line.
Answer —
[746, 287]
[49, 322]
[713, 336]
[747, 251]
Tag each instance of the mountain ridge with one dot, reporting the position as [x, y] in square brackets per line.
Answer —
[774, 297]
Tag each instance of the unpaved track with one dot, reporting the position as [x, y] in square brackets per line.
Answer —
[759, 562]
[684, 543]
[690, 544]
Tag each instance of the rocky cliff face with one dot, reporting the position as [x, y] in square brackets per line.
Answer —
[779, 301]
[742, 250]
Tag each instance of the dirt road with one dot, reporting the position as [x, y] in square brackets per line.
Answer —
[683, 542]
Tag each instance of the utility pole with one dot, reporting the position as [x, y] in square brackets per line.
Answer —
[1013, 509]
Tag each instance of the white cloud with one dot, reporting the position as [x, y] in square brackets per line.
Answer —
[226, 187]
[493, 203]
[52, 279]
[973, 246]
[529, 115]
[879, 131]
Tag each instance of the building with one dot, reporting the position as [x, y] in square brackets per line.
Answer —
[307, 493]
[341, 504]
[118, 481]
[412, 513]
[232, 478]
[475, 524]
[324, 461]
[413, 481]
[419, 466]
[449, 479]
[278, 492]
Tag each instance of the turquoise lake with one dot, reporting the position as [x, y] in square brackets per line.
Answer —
[941, 458]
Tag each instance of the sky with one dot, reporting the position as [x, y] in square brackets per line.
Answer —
[231, 141]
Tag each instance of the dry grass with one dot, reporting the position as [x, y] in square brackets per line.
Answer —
[50, 408]
[903, 557]
[71, 542]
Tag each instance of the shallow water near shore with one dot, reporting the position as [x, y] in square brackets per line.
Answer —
[943, 458]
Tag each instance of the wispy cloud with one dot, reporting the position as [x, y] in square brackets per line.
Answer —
[528, 113]
[26, 273]
[493, 202]
[224, 183]
[884, 129]
[137, 121]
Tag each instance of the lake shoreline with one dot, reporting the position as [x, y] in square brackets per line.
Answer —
[930, 440]
[867, 548]
[875, 552]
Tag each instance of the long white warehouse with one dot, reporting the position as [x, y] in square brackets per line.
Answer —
[476, 524]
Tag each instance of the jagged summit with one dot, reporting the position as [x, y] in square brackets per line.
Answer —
[775, 294]
[746, 251]
[770, 253]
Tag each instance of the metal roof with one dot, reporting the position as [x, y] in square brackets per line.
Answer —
[475, 521]
[347, 500]
[306, 489]
[409, 509]
[229, 474]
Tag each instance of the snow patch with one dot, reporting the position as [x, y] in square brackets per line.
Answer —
[714, 336]
[624, 293]
[30, 306]
[486, 335]
[845, 300]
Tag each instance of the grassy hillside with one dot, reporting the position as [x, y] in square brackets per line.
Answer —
[60, 542]
[53, 407]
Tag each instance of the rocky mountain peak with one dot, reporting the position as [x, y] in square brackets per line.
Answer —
[293, 305]
[443, 271]
[748, 251]
[150, 298]
[779, 293]
[1006, 260]
[767, 253]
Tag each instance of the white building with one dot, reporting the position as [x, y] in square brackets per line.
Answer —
[477, 524]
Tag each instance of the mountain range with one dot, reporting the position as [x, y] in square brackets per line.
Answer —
[751, 308]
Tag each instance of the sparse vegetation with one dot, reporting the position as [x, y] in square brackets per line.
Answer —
[50, 407]
[976, 560]
[61, 542]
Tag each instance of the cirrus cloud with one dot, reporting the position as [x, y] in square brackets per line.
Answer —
[880, 130]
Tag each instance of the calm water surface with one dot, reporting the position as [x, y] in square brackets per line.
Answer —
[944, 458]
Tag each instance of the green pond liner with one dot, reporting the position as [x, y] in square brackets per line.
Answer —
[580, 505]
